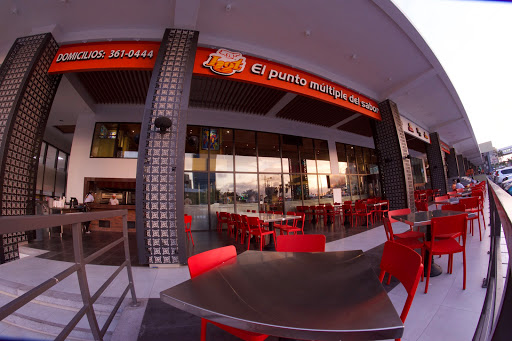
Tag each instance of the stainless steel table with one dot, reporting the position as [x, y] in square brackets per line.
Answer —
[311, 296]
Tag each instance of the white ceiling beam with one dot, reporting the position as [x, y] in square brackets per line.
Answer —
[408, 84]
[445, 123]
[345, 121]
[283, 102]
[461, 140]
[186, 13]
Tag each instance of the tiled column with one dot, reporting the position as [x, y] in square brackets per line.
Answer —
[436, 163]
[460, 164]
[391, 146]
[466, 165]
[159, 199]
[26, 96]
[453, 169]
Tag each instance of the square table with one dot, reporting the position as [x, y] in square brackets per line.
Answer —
[302, 295]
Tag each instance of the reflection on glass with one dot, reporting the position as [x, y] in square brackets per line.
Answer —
[354, 187]
[292, 192]
[196, 199]
[351, 159]
[310, 188]
[322, 157]
[115, 140]
[49, 171]
[245, 151]
[40, 168]
[246, 192]
[363, 186]
[60, 181]
[307, 156]
[195, 156]
[324, 192]
[271, 196]
[290, 154]
[221, 149]
[343, 167]
[221, 195]
[269, 153]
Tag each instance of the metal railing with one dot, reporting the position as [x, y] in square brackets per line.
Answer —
[11, 224]
[494, 323]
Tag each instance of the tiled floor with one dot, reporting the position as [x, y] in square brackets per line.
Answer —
[446, 313]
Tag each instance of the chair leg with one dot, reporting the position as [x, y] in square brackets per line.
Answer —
[483, 218]
[248, 241]
[464, 265]
[190, 232]
[428, 273]
[479, 228]
[204, 324]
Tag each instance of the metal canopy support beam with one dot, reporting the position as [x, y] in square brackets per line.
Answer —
[283, 102]
[27, 96]
[161, 235]
[453, 168]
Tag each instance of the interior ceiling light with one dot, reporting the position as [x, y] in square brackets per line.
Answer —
[307, 33]
[228, 7]
[353, 56]
[14, 11]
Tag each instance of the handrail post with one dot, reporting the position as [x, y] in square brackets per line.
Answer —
[134, 303]
[82, 280]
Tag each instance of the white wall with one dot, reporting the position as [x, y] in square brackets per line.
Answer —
[82, 166]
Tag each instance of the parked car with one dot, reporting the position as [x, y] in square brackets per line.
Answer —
[501, 174]
[506, 182]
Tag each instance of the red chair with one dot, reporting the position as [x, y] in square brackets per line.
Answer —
[452, 207]
[407, 234]
[447, 225]
[473, 206]
[288, 224]
[406, 265]
[244, 228]
[429, 194]
[439, 199]
[188, 227]
[480, 194]
[381, 209]
[361, 210]
[421, 205]
[452, 194]
[255, 229]
[459, 190]
[409, 238]
[206, 261]
[301, 243]
[299, 224]
[224, 219]
[320, 212]
[348, 212]
[330, 212]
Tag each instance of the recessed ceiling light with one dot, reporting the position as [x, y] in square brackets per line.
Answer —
[228, 7]
[307, 33]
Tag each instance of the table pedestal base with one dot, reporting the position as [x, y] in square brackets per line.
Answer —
[435, 269]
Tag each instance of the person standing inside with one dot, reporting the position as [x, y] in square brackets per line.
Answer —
[113, 200]
[89, 198]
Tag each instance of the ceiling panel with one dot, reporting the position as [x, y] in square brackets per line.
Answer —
[116, 87]
[360, 126]
[305, 109]
[224, 94]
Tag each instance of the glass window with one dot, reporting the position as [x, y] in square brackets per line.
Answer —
[351, 160]
[307, 156]
[245, 151]
[60, 181]
[310, 189]
[49, 171]
[246, 192]
[324, 192]
[116, 140]
[361, 167]
[322, 156]
[363, 186]
[221, 149]
[342, 158]
[292, 192]
[196, 199]
[196, 148]
[354, 186]
[269, 154]
[290, 149]
[271, 196]
[40, 168]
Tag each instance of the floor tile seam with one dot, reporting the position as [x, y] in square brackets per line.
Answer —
[461, 308]
[438, 306]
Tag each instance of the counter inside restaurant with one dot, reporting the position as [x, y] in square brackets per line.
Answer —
[114, 224]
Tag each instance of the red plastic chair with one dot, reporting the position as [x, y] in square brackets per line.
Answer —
[407, 234]
[441, 198]
[452, 194]
[224, 219]
[255, 229]
[480, 194]
[411, 241]
[301, 243]
[288, 224]
[320, 212]
[473, 206]
[381, 209]
[421, 205]
[361, 210]
[406, 265]
[206, 261]
[348, 212]
[452, 207]
[188, 227]
[447, 225]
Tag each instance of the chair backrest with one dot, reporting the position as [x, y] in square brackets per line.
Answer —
[452, 193]
[421, 205]
[459, 190]
[347, 202]
[473, 202]
[188, 219]
[441, 198]
[361, 206]
[254, 223]
[278, 212]
[388, 228]
[448, 225]
[454, 207]
[300, 243]
[402, 211]
[404, 264]
[300, 222]
[207, 260]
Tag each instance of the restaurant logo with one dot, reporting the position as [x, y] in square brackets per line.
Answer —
[225, 63]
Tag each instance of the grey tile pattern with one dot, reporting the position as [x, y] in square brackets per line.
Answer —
[435, 156]
[160, 164]
[391, 147]
[26, 96]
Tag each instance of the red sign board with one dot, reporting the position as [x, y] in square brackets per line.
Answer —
[445, 148]
[102, 56]
[224, 63]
